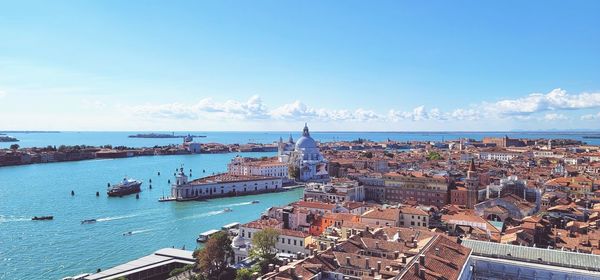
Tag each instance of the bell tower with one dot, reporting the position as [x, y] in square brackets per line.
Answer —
[472, 184]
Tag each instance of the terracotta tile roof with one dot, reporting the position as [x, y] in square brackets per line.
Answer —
[263, 223]
[413, 211]
[314, 205]
[442, 258]
[294, 233]
[389, 214]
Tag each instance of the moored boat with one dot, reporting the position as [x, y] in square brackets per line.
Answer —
[203, 237]
[127, 186]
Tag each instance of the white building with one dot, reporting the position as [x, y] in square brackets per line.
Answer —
[334, 192]
[306, 158]
[500, 156]
[222, 185]
[250, 166]
[289, 241]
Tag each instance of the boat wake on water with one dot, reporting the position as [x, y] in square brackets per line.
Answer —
[137, 232]
[207, 214]
[234, 204]
[7, 219]
[116, 218]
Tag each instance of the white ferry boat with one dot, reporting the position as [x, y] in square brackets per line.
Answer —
[203, 237]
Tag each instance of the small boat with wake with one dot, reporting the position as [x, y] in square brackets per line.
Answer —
[90, 221]
[255, 201]
[227, 210]
[128, 233]
[42, 218]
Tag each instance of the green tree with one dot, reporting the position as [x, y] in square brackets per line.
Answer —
[294, 172]
[434, 156]
[212, 260]
[14, 146]
[263, 244]
[244, 274]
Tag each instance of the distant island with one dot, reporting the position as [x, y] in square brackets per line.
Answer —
[162, 135]
[8, 139]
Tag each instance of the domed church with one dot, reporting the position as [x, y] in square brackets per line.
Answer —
[305, 157]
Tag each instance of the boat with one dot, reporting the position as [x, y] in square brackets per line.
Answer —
[128, 233]
[42, 218]
[227, 210]
[166, 199]
[203, 237]
[127, 186]
[90, 221]
[255, 201]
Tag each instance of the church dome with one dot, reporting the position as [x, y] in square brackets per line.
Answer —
[306, 142]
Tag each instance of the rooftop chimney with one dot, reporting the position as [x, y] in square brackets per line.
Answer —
[422, 273]
[348, 261]
[404, 259]
[422, 259]
[367, 263]
[396, 254]
[377, 244]
[437, 251]
[378, 265]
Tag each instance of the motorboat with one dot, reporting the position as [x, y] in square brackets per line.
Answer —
[42, 218]
[90, 221]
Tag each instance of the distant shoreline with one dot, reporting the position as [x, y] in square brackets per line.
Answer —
[162, 135]
[26, 131]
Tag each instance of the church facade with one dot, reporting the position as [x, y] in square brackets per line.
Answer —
[304, 157]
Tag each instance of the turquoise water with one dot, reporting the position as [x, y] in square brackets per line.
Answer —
[62, 247]
[120, 138]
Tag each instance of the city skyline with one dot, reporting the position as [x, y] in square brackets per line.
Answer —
[235, 66]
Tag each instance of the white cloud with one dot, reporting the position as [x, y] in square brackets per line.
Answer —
[591, 117]
[465, 114]
[92, 104]
[527, 108]
[3, 94]
[557, 99]
[250, 109]
[554, 117]
[300, 111]
[417, 114]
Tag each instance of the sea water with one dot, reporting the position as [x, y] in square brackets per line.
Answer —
[122, 139]
[62, 247]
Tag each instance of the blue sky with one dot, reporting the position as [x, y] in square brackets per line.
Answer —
[272, 65]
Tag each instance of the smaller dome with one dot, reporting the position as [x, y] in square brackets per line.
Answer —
[238, 242]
